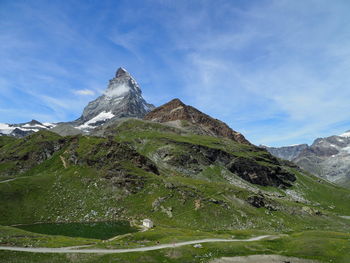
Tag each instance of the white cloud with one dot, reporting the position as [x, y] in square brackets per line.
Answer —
[282, 74]
[84, 92]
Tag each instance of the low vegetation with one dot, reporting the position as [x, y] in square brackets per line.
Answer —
[149, 170]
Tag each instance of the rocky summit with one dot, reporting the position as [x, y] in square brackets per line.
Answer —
[122, 98]
[179, 114]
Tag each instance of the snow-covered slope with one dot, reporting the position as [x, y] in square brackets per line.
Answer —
[95, 121]
[346, 134]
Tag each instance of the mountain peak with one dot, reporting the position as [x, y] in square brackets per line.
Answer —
[35, 122]
[176, 110]
[121, 72]
[174, 103]
[122, 98]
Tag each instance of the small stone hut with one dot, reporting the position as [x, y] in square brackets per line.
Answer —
[147, 223]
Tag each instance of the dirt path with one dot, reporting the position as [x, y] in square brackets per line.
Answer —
[8, 180]
[126, 250]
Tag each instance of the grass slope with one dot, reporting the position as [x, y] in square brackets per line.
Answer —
[207, 203]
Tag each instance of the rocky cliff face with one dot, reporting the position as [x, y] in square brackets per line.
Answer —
[199, 122]
[286, 152]
[196, 158]
[122, 98]
[328, 157]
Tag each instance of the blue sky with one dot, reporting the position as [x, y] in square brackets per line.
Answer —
[277, 71]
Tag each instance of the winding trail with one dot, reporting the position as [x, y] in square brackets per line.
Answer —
[8, 180]
[126, 250]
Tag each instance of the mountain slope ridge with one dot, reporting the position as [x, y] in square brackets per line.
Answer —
[176, 110]
[98, 183]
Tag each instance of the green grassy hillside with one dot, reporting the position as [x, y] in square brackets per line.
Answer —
[179, 180]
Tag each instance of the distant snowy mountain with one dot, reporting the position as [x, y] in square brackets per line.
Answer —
[23, 129]
[328, 157]
[122, 98]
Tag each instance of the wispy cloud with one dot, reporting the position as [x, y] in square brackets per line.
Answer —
[275, 70]
[280, 72]
[85, 92]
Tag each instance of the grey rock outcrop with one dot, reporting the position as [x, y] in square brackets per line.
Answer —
[286, 152]
[195, 158]
[65, 129]
[328, 157]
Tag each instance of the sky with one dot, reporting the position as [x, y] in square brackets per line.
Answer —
[277, 71]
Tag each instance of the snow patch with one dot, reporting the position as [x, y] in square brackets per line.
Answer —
[117, 90]
[24, 129]
[35, 125]
[347, 149]
[5, 128]
[333, 145]
[346, 134]
[49, 125]
[27, 129]
[100, 117]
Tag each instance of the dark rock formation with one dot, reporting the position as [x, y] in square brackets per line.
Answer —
[109, 158]
[34, 150]
[110, 155]
[194, 158]
[253, 172]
